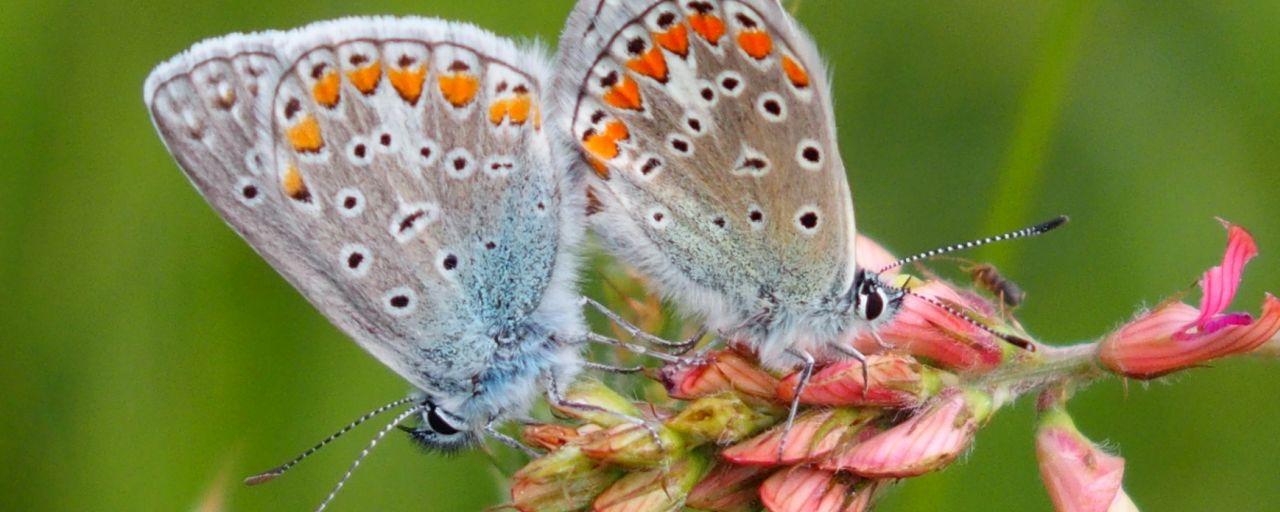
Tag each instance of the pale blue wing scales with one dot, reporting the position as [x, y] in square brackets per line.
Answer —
[396, 198]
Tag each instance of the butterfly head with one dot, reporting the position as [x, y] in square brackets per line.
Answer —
[441, 430]
[874, 301]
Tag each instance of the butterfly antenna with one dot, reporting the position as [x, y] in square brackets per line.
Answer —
[270, 475]
[1038, 229]
[1016, 341]
[365, 453]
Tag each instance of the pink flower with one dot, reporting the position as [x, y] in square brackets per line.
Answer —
[927, 331]
[722, 370]
[1079, 476]
[816, 433]
[1175, 336]
[896, 381]
[806, 489]
[728, 488]
[926, 442]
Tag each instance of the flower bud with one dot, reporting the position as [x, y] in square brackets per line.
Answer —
[807, 489]
[551, 436]
[721, 419]
[1079, 476]
[926, 442]
[815, 433]
[1175, 336]
[592, 401]
[632, 445]
[561, 480]
[896, 381]
[728, 488]
[662, 488]
[722, 370]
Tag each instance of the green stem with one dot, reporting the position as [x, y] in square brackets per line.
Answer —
[1075, 364]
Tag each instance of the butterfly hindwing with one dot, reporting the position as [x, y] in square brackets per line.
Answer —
[707, 128]
[401, 180]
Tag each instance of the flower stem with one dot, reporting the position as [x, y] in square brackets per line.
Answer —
[1051, 366]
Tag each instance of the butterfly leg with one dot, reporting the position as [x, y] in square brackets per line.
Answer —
[856, 354]
[490, 431]
[612, 369]
[635, 349]
[806, 371]
[679, 347]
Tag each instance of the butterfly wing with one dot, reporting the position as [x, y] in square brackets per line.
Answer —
[396, 173]
[707, 126]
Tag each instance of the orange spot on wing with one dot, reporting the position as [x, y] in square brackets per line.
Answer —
[795, 72]
[603, 145]
[675, 39]
[651, 64]
[756, 43]
[617, 130]
[626, 94]
[516, 109]
[709, 26]
[498, 111]
[366, 79]
[293, 185]
[408, 82]
[519, 108]
[305, 136]
[459, 89]
[327, 90]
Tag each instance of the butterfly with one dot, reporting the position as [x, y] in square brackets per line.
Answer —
[398, 174]
[705, 131]
[706, 128]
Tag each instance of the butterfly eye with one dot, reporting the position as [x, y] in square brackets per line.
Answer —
[439, 424]
[874, 305]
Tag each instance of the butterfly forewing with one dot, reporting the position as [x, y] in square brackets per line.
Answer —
[395, 171]
[707, 125]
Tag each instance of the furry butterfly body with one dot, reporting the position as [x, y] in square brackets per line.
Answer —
[397, 173]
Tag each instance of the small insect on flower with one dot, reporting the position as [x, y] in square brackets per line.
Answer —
[987, 277]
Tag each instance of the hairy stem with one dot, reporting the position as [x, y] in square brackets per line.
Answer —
[1050, 366]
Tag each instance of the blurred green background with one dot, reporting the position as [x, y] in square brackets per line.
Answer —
[151, 358]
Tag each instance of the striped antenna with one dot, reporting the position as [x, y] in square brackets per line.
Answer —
[1038, 229]
[1008, 338]
[267, 476]
[355, 464]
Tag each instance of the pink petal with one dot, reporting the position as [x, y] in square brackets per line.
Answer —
[1220, 283]
[927, 331]
[815, 434]
[926, 442]
[728, 488]
[873, 256]
[1214, 324]
[1146, 348]
[722, 370]
[1078, 475]
[896, 381]
[805, 489]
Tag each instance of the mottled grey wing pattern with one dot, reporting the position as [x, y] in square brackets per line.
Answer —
[708, 128]
[394, 171]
